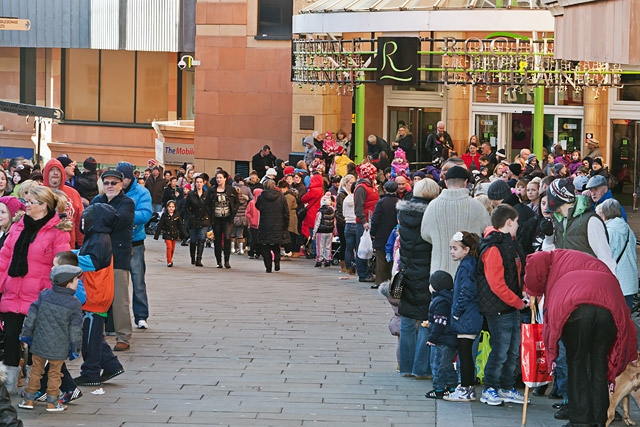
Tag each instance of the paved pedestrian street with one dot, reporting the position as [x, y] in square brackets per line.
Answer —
[241, 347]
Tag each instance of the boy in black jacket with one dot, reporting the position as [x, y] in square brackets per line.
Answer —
[443, 341]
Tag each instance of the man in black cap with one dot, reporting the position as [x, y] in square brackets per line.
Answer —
[121, 241]
[454, 210]
[69, 170]
[513, 175]
[383, 221]
[87, 182]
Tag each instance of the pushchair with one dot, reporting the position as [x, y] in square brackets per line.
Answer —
[336, 257]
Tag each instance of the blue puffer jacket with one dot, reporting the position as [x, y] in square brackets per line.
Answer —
[142, 199]
[439, 318]
[465, 299]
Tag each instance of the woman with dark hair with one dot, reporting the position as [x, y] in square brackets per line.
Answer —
[199, 220]
[274, 222]
[222, 201]
[25, 263]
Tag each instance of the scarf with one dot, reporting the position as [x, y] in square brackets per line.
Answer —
[19, 264]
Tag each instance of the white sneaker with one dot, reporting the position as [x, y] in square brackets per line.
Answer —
[490, 397]
[511, 396]
[461, 394]
[142, 324]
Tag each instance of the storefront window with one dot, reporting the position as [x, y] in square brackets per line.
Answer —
[631, 89]
[115, 86]
[570, 97]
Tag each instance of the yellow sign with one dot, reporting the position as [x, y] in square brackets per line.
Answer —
[353, 118]
[15, 24]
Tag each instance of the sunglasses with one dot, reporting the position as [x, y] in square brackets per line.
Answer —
[113, 183]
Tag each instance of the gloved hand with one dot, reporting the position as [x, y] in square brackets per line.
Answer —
[388, 257]
[27, 340]
[72, 355]
[546, 226]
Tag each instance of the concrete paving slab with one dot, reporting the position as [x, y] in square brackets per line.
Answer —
[242, 348]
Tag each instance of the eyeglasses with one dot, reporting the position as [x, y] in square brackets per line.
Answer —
[113, 183]
[34, 202]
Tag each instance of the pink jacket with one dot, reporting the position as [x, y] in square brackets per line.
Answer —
[19, 292]
[252, 213]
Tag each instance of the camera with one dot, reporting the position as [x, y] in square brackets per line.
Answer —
[182, 64]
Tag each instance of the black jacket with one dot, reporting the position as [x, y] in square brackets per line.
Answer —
[198, 211]
[527, 223]
[384, 220]
[488, 302]
[258, 163]
[274, 218]
[122, 234]
[87, 185]
[155, 187]
[232, 198]
[415, 257]
[171, 227]
[440, 332]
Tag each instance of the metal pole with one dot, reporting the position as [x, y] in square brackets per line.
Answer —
[358, 138]
[538, 121]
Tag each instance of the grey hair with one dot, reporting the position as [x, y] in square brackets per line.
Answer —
[440, 123]
[269, 184]
[610, 209]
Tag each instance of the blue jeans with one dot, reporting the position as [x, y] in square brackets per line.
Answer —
[198, 234]
[500, 371]
[444, 375]
[414, 351]
[139, 303]
[350, 237]
[562, 372]
[362, 265]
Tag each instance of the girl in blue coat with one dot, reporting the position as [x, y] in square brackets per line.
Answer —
[466, 320]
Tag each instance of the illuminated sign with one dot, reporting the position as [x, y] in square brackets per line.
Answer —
[502, 61]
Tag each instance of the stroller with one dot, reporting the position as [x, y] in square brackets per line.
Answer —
[335, 251]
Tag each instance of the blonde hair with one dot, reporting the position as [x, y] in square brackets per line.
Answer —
[64, 200]
[25, 186]
[47, 196]
[485, 202]
[426, 188]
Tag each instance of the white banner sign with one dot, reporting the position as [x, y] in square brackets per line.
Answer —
[172, 153]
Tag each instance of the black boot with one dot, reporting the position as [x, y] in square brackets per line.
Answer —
[192, 251]
[200, 249]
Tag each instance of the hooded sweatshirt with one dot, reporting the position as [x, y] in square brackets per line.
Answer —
[73, 196]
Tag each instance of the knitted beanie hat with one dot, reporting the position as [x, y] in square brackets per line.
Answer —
[498, 190]
[441, 280]
[560, 191]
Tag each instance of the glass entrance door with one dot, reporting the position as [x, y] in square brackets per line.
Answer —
[420, 121]
[569, 133]
[624, 159]
[487, 128]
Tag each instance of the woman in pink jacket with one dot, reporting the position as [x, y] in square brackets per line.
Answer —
[25, 264]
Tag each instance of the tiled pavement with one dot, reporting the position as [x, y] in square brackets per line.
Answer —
[241, 347]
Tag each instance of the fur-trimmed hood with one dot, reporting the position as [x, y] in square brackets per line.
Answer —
[3, 373]
[416, 204]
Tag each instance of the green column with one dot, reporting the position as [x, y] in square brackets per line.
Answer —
[358, 138]
[538, 121]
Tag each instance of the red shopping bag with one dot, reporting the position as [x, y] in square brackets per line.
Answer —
[536, 369]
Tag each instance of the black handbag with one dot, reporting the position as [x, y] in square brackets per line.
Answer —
[397, 284]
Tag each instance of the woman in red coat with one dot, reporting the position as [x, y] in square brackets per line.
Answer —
[585, 307]
[311, 199]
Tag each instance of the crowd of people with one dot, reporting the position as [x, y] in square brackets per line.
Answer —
[465, 233]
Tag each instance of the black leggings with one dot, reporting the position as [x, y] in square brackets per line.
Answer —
[222, 226]
[467, 362]
[12, 328]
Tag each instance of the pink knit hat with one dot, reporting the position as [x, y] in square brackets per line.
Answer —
[13, 204]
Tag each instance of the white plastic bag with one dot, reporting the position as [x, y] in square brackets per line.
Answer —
[365, 248]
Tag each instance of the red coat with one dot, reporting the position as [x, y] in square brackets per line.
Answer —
[570, 278]
[312, 198]
[73, 196]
